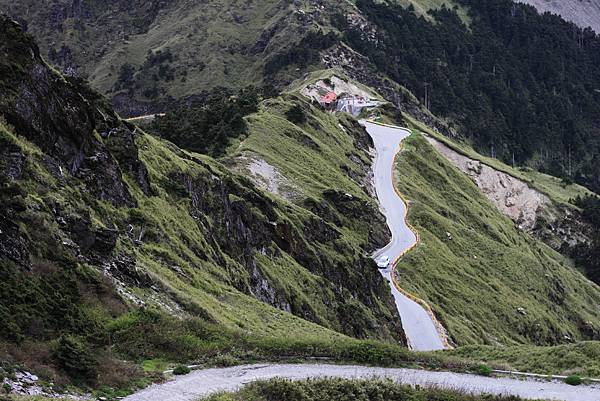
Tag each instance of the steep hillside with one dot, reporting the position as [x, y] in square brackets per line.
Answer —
[308, 161]
[99, 218]
[585, 13]
[486, 280]
[539, 204]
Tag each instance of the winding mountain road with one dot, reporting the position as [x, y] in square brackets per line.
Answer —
[419, 327]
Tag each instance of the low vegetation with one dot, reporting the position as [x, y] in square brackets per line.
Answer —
[484, 370]
[181, 370]
[582, 358]
[345, 390]
[573, 380]
[150, 335]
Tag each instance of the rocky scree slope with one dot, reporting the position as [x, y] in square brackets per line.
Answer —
[85, 196]
[535, 202]
[585, 13]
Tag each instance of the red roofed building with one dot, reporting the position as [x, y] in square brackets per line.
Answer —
[328, 99]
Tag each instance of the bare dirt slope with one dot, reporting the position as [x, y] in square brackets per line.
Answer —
[582, 12]
[511, 196]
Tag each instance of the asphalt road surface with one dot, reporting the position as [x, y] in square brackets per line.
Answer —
[418, 326]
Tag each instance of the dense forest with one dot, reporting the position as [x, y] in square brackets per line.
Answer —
[210, 121]
[521, 86]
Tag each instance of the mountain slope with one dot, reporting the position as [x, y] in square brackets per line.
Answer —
[294, 160]
[499, 82]
[143, 53]
[487, 281]
[515, 83]
[99, 218]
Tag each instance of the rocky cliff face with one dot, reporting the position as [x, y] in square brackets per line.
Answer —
[84, 193]
[67, 121]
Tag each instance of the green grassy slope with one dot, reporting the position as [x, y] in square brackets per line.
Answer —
[581, 358]
[325, 159]
[292, 281]
[179, 255]
[478, 280]
[171, 253]
[559, 192]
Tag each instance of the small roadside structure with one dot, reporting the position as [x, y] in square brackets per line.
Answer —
[336, 94]
[354, 104]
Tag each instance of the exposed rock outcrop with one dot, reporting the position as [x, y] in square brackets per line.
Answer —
[66, 120]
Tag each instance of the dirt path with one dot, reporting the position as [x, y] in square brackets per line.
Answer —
[202, 383]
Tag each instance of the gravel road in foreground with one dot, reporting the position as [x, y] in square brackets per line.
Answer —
[201, 383]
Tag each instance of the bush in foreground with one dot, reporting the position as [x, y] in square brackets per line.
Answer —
[181, 370]
[574, 380]
[484, 370]
[343, 390]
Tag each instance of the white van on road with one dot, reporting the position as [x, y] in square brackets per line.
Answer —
[383, 262]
